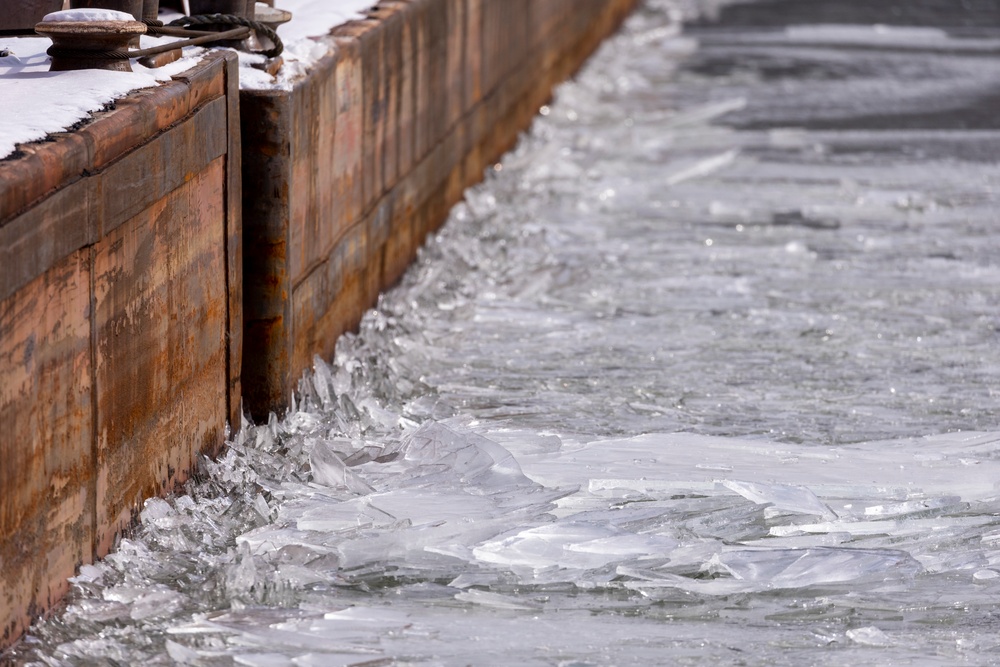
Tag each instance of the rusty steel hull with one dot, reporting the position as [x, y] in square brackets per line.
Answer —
[120, 323]
[346, 174]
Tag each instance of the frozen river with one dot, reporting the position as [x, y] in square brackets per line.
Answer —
[705, 373]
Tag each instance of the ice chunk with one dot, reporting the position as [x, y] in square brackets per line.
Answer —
[702, 167]
[865, 34]
[425, 506]
[387, 419]
[912, 506]
[785, 497]
[334, 517]
[572, 545]
[520, 442]
[88, 574]
[155, 508]
[182, 654]
[793, 568]
[496, 600]
[316, 637]
[323, 381]
[359, 616]
[330, 470]
[93, 610]
[650, 488]
[757, 570]
[264, 660]
[241, 575]
[299, 576]
[869, 636]
[261, 506]
[895, 527]
[436, 455]
[156, 603]
[273, 539]
[729, 522]
[708, 112]
[470, 457]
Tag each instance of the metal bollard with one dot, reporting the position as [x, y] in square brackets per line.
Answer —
[244, 8]
[133, 7]
[89, 44]
[272, 17]
[142, 10]
[150, 11]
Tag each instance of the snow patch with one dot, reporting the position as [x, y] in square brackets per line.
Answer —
[87, 15]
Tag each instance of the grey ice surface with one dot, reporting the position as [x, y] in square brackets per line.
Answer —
[705, 373]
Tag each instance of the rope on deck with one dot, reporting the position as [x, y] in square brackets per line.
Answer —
[241, 30]
[231, 19]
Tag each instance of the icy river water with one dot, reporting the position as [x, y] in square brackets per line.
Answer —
[705, 373]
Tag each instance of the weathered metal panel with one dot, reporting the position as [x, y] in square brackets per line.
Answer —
[141, 178]
[142, 115]
[390, 57]
[430, 19]
[401, 246]
[46, 234]
[437, 42]
[314, 213]
[326, 226]
[398, 62]
[549, 36]
[472, 77]
[456, 148]
[455, 18]
[407, 90]
[348, 151]
[335, 295]
[303, 207]
[46, 475]
[265, 122]
[422, 141]
[372, 40]
[492, 16]
[160, 362]
[234, 242]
